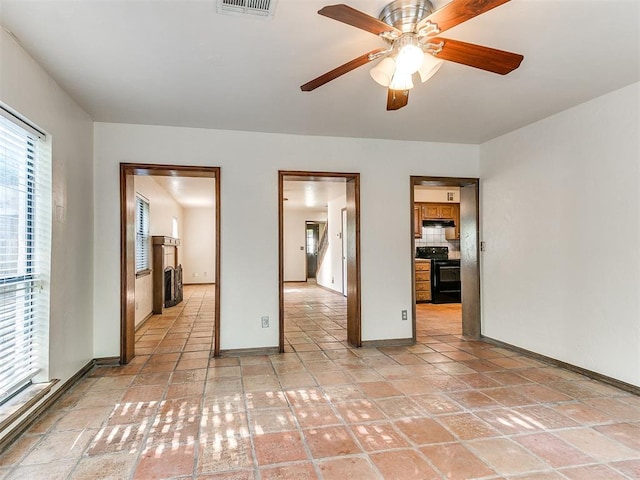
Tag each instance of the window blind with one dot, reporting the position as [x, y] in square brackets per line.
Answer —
[143, 257]
[25, 242]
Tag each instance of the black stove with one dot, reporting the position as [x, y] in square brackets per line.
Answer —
[433, 253]
[446, 286]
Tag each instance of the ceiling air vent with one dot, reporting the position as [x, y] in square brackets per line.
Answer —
[261, 8]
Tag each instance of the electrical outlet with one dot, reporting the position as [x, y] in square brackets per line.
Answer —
[265, 322]
[332, 280]
[404, 315]
[483, 246]
[136, 305]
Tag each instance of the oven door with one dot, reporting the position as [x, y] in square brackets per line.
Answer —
[446, 281]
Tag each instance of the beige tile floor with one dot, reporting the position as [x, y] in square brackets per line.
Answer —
[443, 408]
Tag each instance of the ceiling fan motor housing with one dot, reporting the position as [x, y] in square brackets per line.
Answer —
[405, 14]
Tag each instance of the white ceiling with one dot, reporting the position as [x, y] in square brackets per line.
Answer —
[178, 62]
[189, 192]
[312, 195]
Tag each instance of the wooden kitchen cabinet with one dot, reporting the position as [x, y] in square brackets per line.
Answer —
[442, 211]
[438, 211]
[423, 280]
[430, 211]
[417, 221]
[454, 233]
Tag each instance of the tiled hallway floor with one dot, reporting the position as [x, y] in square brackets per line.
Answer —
[443, 408]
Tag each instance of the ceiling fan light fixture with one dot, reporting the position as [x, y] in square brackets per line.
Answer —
[429, 67]
[410, 56]
[383, 72]
[401, 81]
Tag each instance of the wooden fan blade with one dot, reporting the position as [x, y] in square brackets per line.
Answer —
[484, 58]
[396, 99]
[458, 11]
[341, 70]
[356, 18]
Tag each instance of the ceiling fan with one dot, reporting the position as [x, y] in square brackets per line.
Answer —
[411, 28]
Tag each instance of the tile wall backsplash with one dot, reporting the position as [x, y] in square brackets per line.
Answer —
[435, 237]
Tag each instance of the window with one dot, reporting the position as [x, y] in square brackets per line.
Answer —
[25, 252]
[143, 254]
[174, 228]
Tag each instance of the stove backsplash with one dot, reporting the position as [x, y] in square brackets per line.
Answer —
[435, 237]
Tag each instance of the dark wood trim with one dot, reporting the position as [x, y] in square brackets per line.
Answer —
[628, 387]
[354, 327]
[217, 331]
[470, 259]
[152, 169]
[469, 248]
[127, 245]
[241, 352]
[352, 182]
[294, 175]
[127, 264]
[107, 361]
[391, 342]
[343, 212]
[414, 333]
[143, 273]
[281, 262]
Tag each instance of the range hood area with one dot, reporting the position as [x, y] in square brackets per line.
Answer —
[439, 223]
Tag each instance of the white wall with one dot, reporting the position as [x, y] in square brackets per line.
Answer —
[249, 216]
[198, 245]
[436, 194]
[28, 89]
[330, 274]
[295, 259]
[162, 210]
[561, 221]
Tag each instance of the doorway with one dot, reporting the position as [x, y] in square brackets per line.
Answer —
[350, 182]
[128, 174]
[469, 248]
[312, 238]
[345, 243]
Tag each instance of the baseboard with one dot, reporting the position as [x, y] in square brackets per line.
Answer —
[241, 352]
[391, 342]
[567, 366]
[107, 361]
[39, 409]
[208, 283]
[144, 320]
[330, 290]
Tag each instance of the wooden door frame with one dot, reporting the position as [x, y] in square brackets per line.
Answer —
[343, 212]
[127, 246]
[352, 181]
[469, 255]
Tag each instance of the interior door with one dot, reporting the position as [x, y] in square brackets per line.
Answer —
[312, 238]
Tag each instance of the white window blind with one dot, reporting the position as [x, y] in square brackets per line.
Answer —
[143, 254]
[25, 243]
